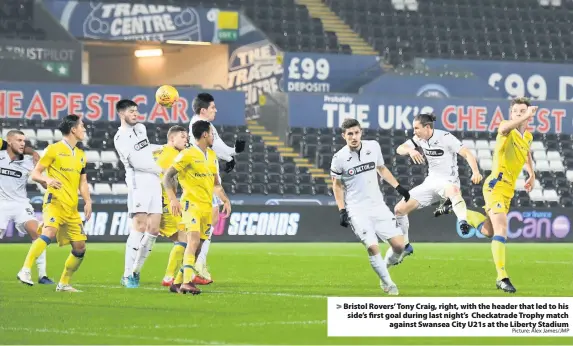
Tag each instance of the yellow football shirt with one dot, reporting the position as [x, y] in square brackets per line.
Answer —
[196, 174]
[510, 154]
[3, 144]
[165, 158]
[65, 164]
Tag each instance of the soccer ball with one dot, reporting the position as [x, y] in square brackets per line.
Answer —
[166, 96]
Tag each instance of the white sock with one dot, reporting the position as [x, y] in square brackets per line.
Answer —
[404, 224]
[41, 263]
[379, 267]
[131, 247]
[459, 207]
[202, 258]
[144, 250]
[391, 257]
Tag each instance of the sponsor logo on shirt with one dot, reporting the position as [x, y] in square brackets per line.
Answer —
[362, 168]
[140, 145]
[434, 152]
[10, 173]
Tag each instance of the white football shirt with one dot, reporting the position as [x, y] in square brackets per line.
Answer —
[441, 152]
[357, 170]
[136, 154]
[222, 150]
[14, 177]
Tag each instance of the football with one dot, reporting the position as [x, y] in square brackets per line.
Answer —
[166, 96]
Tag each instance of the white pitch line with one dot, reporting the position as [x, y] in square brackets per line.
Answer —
[86, 333]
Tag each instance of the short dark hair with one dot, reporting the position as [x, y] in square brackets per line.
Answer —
[520, 101]
[348, 124]
[202, 100]
[14, 132]
[124, 104]
[68, 123]
[199, 128]
[426, 119]
[175, 129]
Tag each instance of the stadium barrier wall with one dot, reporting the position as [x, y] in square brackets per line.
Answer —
[283, 223]
[391, 112]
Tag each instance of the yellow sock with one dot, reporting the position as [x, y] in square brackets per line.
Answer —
[175, 258]
[498, 252]
[188, 269]
[179, 278]
[475, 218]
[38, 246]
[72, 264]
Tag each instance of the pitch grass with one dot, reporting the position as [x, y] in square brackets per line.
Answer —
[263, 294]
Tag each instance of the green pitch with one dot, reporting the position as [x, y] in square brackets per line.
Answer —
[263, 293]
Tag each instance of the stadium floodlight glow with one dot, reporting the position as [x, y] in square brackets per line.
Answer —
[147, 53]
[191, 43]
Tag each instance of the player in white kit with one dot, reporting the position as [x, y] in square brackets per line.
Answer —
[440, 149]
[144, 197]
[204, 109]
[354, 170]
[15, 168]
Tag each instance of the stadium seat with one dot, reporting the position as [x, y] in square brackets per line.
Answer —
[482, 144]
[46, 135]
[541, 165]
[119, 189]
[539, 155]
[554, 156]
[569, 175]
[537, 146]
[57, 135]
[92, 156]
[486, 164]
[102, 189]
[556, 166]
[550, 195]
[484, 154]
[109, 157]
[536, 195]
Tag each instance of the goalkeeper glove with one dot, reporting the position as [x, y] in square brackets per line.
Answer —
[229, 166]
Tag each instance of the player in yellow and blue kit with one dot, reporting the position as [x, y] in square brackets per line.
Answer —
[170, 225]
[512, 152]
[65, 165]
[196, 170]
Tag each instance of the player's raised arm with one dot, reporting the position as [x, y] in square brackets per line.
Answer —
[408, 148]
[220, 192]
[41, 166]
[85, 193]
[505, 127]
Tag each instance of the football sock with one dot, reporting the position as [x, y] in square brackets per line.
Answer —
[202, 258]
[175, 258]
[72, 264]
[404, 224]
[498, 252]
[379, 267]
[459, 207]
[38, 246]
[41, 263]
[475, 219]
[179, 278]
[391, 257]
[145, 248]
[131, 247]
[188, 269]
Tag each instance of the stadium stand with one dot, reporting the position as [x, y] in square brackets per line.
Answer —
[17, 21]
[462, 29]
[265, 170]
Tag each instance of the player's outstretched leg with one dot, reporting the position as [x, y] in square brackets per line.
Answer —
[458, 207]
[73, 262]
[37, 248]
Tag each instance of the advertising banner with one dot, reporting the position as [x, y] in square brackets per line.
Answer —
[254, 63]
[373, 111]
[430, 86]
[61, 61]
[325, 73]
[289, 223]
[538, 81]
[97, 103]
[143, 22]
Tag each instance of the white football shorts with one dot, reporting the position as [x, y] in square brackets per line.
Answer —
[19, 213]
[148, 199]
[432, 190]
[370, 227]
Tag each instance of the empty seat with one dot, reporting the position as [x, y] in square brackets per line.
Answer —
[537, 146]
[45, 135]
[484, 154]
[482, 144]
[569, 175]
[542, 165]
[92, 156]
[539, 155]
[485, 164]
[57, 135]
[554, 156]
[109, 156]
[102, 189]
[556, 166]
[536, 195]
[119, 189]
[30, 134]
[550, 195]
